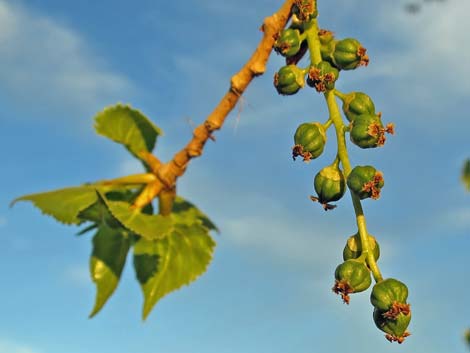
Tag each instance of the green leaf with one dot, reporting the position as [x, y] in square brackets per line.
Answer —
[63, 204]
[466, 174]
[185, 212]
[110, 248]
[129, 127]
[148, 226]
[98, 211]
[164, 265]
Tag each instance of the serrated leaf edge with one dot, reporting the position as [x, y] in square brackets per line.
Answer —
[126, 226]
[35, 204]
[146, 310]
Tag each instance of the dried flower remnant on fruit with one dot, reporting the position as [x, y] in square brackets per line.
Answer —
[306, 9]
[298, 150]
[322, 76]
[396, 309]
[375, 130]
[361, 53]
[373, 186]
[400, 339]
[326, 206]
[344, 289]
[325, 36]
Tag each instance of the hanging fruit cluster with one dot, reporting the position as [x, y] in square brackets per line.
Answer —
[329, 56]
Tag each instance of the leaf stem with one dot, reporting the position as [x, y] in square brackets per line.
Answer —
[335, 117]
[165, 201]
[143, 178]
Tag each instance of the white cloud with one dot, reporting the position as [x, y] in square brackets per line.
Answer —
[287, 240]
[43, 63]
[432, 46]
[7, 346]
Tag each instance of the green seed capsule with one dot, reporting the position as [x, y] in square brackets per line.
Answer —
[289, 80]
[394, 328]
[330, 185]
[387, 292]
[353, 248]
[349, 54]
[367, 131]
[322, 76]
[358, 103]
[365, 181]
[325, 36]
[327, 49]
[351, 276]
[288, 43]
[310, 140]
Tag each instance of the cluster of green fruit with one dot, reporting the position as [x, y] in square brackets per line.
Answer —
[330, 182]
[328, 57]
[392, 313]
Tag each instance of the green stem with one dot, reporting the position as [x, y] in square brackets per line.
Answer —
[339, 94]
[335, 117]
[327, 124]
[313, 42]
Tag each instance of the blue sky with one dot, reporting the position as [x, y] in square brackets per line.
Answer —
[269, 286]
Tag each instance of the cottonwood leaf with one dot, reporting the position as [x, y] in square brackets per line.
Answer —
[129, 127]
[63, 204]
[67, 204]
[147, 226]
[98, 211]
[164, 265]
[186, 212]
[110, 248]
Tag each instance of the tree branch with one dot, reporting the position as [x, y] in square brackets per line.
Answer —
[169, 172]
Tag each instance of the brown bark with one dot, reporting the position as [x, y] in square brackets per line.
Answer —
[168, 173]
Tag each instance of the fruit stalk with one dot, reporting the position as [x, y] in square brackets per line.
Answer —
[335, 117]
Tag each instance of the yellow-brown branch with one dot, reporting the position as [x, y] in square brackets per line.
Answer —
[169, 172]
